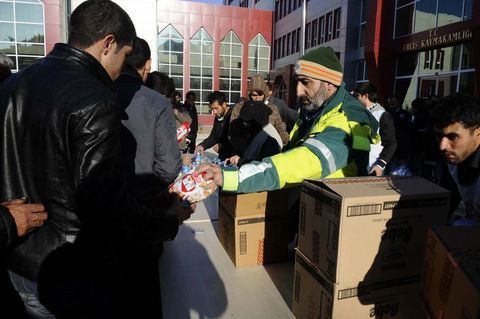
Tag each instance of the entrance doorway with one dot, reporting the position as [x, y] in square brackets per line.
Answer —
[437, 85]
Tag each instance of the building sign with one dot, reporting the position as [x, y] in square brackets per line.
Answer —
[434, 38]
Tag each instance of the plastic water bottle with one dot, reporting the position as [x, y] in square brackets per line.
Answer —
[197, 159]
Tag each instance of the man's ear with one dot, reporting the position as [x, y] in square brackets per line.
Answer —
[107, 44]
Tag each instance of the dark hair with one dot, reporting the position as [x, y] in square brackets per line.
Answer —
[93, 20]
[456, 108]
[6, 64]
[370, 89]
[161, 83]
[176, 93]
[139, 56]
[216, 96]
[190, 94]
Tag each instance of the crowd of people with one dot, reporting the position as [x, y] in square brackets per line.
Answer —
[91, 139]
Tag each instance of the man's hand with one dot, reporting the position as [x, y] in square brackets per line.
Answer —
[212, 171]
[376, 171]
[216, 148]
[182, 210]
[234, 160]
[26, 216]
[187, 159]
[200, 149]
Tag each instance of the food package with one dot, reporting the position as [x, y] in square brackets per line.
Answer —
[191, 188]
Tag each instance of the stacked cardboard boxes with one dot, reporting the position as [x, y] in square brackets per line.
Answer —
[254, 228]
[451, 276]
[362, 240]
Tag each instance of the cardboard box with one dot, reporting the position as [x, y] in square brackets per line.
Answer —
[451, 277]
[368, 228]
[254, 240]
[317, 297]
[262, 203]
[254, 228]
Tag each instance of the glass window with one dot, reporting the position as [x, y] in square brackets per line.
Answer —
[30, 33]
[338, 22]
[201, 57]
[24, 61]
[314, 32]
[406, 64]
[31, 49]
[467, 56]
[7, 32]
[26, 12]
[467, 83]
[321, 30]
[170, 55]
[361, 75]
[404, 21]
[425, 15]
[231, 66]
[401, 3]
[22, 31]
[449, 12]
[467, 13]
[7, 48]
[259, 56]
[6, 11]
[329, 34]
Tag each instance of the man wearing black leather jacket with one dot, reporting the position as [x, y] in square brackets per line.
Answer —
[60, 146]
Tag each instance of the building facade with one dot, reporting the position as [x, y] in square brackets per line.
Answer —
[335, 23]
[408, 48]
[30, 28]
[419, 48]
[203, 47]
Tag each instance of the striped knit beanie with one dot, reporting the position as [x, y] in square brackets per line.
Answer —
[321, 64]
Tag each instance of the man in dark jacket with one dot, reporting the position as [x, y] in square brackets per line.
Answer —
[60, 146]
[189, 104]
[218, 137]
[151, 158]
[380, 153]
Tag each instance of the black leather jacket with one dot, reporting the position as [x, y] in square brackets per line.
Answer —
[60, 145]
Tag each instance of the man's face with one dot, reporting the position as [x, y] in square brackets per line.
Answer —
[257, 96]
[191, 100]
[114, 59]
[362, 98]
[312, 93]
[457, 143]
[218, 110]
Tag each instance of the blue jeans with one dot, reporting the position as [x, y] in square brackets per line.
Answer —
[27, 290]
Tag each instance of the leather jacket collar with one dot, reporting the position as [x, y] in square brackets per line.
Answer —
[84, 59]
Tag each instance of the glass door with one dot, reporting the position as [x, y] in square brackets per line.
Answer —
[438, 85]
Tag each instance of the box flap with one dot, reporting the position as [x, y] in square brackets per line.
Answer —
[378, 186]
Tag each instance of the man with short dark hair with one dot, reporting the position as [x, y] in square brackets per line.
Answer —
[148, 118]
[60, 146]
[218, 137]
[457, 124]
[330, 139]
[380, 153]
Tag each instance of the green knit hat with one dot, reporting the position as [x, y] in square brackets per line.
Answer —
[321, 64]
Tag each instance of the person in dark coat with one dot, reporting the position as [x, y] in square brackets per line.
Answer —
[250, 142]
[189, 105]
[218, 138]
[62, 148]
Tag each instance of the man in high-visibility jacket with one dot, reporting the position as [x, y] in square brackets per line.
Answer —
[331, 138]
